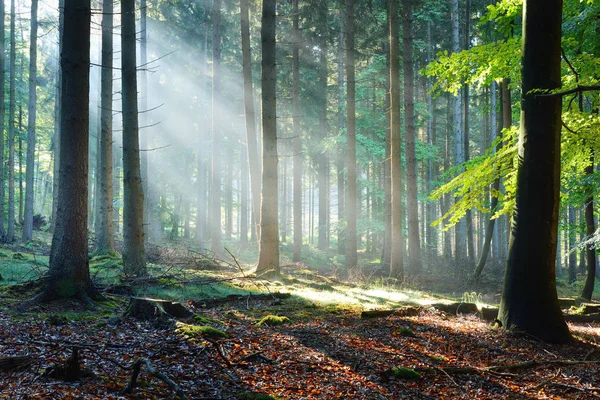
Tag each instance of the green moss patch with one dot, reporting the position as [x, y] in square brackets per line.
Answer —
[200, 331]
[255, 396]
[405, 373]
[273, 320]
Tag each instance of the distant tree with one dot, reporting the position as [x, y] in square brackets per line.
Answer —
[32, 112]
[529, 300]
[69, 275]
[396, 261]
[296, 130]
[105, 242]
[134, 258]
[10, 233]
[215, 191]
[351, 206]
[2, 111]
[268, 253]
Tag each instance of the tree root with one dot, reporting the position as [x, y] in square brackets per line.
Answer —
[136, 367]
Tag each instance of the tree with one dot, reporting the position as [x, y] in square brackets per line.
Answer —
[56, 136]
[69, 275]
[31, 111]
[322, 159]
[215, 193]
[351, 206]
[529, 300]
[268, 253]
[251, 146]
[134, 258]
[296, 129]
[105, 242]
[10, 232]
[396, 261]
[414, 242]
[2, 110]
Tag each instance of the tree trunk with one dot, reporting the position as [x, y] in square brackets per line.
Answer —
[105, 241]
[134, 257]
[322, 159]
[244, 176]
[396, 261]
[268, 256]
[143, 118]
[2, 111]
[414, 243]
[296, 133]
[10, 233]
[572, 250]
[386, 251]
[69, 275]
[529, 300]
[351, 206]
[215, 192]
[590, 228]
[31, 110]
[57, 105]
[341, 236]
[252, 151]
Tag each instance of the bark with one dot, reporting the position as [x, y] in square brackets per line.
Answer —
[10, 233]
[31, 110]
[396, 258]
[529, 300]
[387, 181]
[268, 257]
[105, 230]
[143, 117]
[2, 111]
[251, 146]
[244, 176]
[351, 200]
[215, 192]
[414, 242]
[572, 250]
[134, 257]
[469, 214]
[68, 275]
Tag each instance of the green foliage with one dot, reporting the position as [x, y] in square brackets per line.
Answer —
[273, 320]
[255, 396]
[405, 373]
[472, 297]
[472, 186]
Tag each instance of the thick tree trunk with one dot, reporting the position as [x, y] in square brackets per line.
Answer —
[386, 251]
[590, 228]
[69, 270]
[351, 200]
[296, 132]
[215, 191]
[251, 147]
[268, 256]
[322, 159]
[2, 111]
[105, 241]
[134, 257]
[31, 110]
[57, 105]
[414, 243]
[143, 117]
[396, 259]
[529, 299]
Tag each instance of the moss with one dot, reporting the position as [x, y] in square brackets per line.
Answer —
[3, 255]
[407, 332]
[19, 256]
[273, 320]
[405, 373]
[195, 331]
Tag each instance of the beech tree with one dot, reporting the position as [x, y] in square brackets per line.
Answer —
[529, 300]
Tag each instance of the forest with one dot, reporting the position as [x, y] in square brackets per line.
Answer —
[299, 199]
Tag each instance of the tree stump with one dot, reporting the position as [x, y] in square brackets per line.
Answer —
[457, 308]
[145, 309]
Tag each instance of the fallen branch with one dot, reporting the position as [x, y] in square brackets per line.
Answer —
[15, 363]
[136, 367]
[564, 385]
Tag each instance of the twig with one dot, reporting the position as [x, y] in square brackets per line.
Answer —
[137, 365]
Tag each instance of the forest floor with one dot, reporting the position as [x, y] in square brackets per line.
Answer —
[255, 344]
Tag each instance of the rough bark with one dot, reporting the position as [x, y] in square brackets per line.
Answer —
[268, 257]
[68, 275]
[396, 258]
[529, 300]
[2, 110]
[134, 257]
[351, 200]
[322, 159]
[414, 243]
[341, 240]
[57, 105]
[105, 243]
[590, 228]
[296, 132]
[143, 118]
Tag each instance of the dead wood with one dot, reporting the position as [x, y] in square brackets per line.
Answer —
[15, 363]
[151, 309]
[215, 302]
[136, 367]
[408, 311]
[565, 302]
[457, 308]
[488, 314]
[70, 370]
